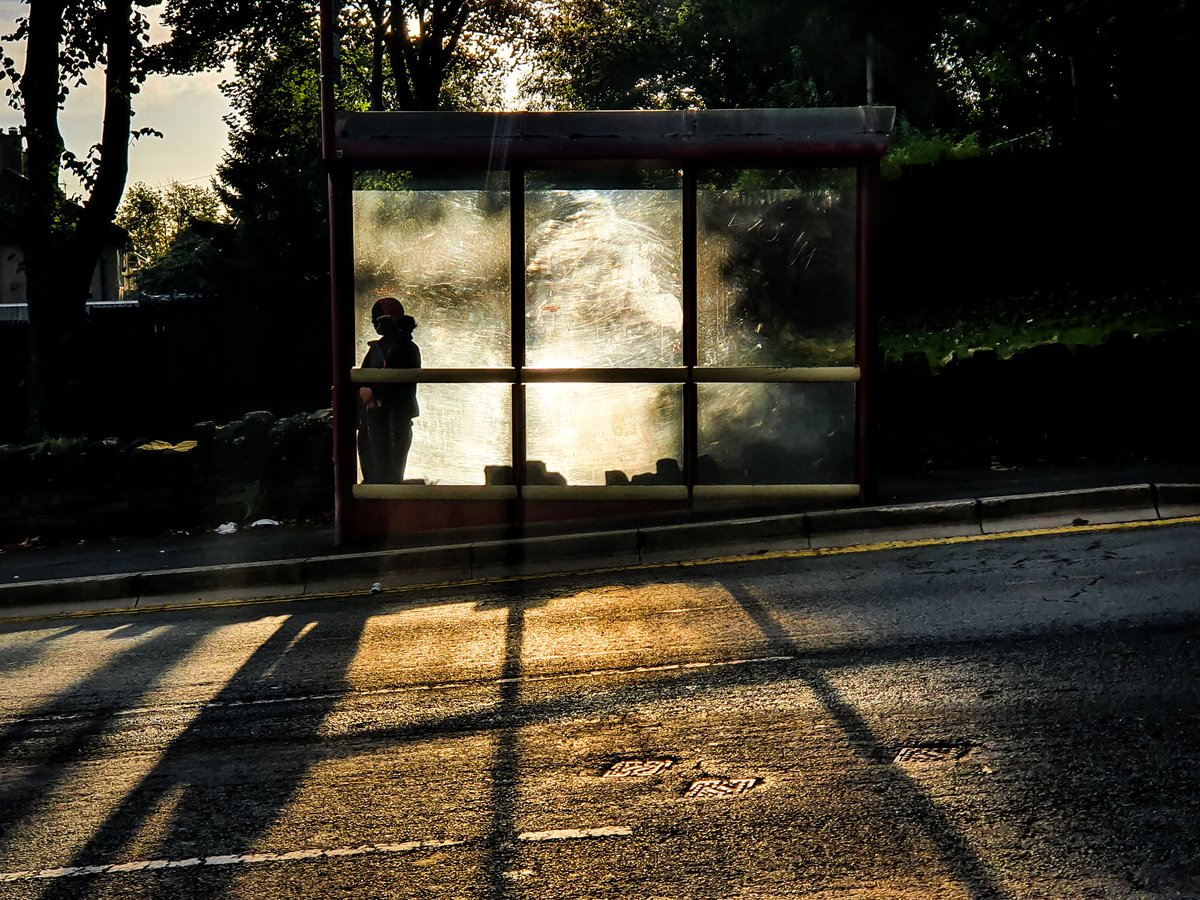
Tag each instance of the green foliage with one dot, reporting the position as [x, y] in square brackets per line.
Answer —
[270, 183]
[84, 46]
[155, 217]
[734, 53]
[59, 446]
[912, 147]
[1009, 324]
[254, 501]
[396, 54]
[197, 261]
[609, 54]
[1032, 74]
[668, 54]
[272, 179]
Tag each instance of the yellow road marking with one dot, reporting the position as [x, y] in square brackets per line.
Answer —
[763, 556]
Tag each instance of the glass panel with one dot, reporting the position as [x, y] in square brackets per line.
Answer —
[776, 267]
[776, 433]
[462, 435]
[441, 248]
[603, 259]
[605, 433]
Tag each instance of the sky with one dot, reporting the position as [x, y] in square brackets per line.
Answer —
[187, 109]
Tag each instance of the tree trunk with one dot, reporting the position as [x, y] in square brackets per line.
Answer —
[64, 244]
[45, 205]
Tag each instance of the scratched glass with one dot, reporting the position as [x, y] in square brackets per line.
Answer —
[603, 260]
[612, 434]
[776, 433]
[776, 267]
[442, 248]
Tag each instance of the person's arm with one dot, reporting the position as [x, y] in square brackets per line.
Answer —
[366, 393]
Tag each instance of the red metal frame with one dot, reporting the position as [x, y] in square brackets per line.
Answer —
[867, 332]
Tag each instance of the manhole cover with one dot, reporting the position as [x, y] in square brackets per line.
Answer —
[637, 768]
[932, 753]
[719, 787]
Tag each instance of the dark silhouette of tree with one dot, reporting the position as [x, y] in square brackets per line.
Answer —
[734, 53]
[1069, 73]
[396, 54]
[64, 41]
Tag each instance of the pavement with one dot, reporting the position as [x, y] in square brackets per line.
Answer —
[303, 560]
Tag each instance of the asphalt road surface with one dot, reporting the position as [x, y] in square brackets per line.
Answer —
[1005, 718]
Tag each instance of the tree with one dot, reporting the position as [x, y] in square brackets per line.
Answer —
[64, 41]
[735, 53]
[1067, 73]
[154, 218]
[396, 54]
[610, 54]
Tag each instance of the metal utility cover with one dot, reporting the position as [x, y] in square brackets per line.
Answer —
[637, 768]
[720, 787]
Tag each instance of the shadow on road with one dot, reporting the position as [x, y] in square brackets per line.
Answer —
[325, 639]
[909, 801]
[204, 818]
[501, 850]
[140, 670]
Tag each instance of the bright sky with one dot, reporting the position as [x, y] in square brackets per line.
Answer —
[187, 109]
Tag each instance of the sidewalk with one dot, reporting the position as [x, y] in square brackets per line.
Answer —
[297, 560]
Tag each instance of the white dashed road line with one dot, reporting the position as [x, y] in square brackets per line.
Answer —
[245, 859]
[575, 834]
[154, 865]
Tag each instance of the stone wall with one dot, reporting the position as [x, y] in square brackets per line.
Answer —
[257, 466]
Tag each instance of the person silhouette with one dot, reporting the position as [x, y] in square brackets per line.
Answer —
[386, 409]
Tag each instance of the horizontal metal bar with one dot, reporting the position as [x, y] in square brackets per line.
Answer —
[747, 152]
[661, 375]
[781, 491]
[434, 376]
[435, 492]
[583, 126]
[656, 375]
[605, 492]
[729, 374]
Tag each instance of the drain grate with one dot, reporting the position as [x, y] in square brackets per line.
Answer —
[720, 787]
[931, 753]
[637, 768]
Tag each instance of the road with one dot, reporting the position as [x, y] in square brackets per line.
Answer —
[1004, 718]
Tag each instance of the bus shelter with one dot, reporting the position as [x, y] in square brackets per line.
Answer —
[617, 313]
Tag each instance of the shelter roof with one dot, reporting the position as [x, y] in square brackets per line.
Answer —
[706, 136]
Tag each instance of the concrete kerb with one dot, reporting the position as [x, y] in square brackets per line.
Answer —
[389, 568]
[1096, 506]
[601, 549]
[846, 527]
[665, 543]
[1175, 501]
[211, 584]
[356, 572]
[69, 595]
